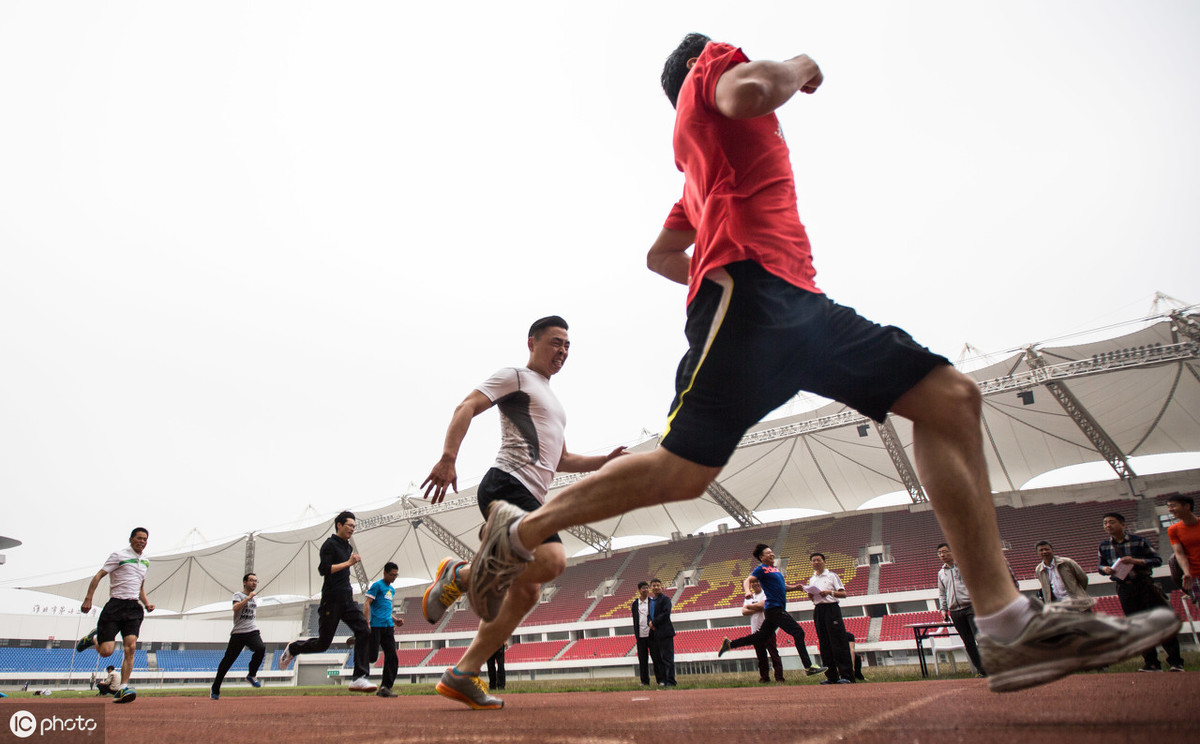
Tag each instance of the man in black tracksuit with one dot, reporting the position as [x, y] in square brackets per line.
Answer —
[338, 605]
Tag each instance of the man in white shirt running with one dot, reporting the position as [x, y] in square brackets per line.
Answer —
[243, 635]
[532, 450]
[126, 572]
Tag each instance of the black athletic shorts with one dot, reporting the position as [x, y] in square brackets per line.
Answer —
[119, 616]
[755, 341]
[498, 485]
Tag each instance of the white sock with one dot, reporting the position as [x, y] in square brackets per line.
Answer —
[515, 539]
[1009, 623]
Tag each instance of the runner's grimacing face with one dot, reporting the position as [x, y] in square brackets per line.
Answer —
[550, 350]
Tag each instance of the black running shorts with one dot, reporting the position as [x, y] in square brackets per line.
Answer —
[120, 617]
[498, 485]
[755, 341]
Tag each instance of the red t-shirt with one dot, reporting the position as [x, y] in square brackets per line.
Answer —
[1189, 537]
[739, 194]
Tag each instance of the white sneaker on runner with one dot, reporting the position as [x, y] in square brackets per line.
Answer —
[1060, 640]
[362, 684]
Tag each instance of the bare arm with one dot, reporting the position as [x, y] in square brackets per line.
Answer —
[753, 609]
[1184, 566]
[668, 255]
[239, 606]
[86, 607]
[570, 463]
[444, 475]
[144, 600]
[758, 88]
[367, 608]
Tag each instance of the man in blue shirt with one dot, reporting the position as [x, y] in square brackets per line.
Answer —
[774, 609]
[378, 611]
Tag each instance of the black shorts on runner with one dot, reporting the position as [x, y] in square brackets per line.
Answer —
[119, 617]
[755, 341]
[498, 485]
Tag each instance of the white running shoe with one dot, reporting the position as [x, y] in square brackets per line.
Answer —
[1060, 641]
[285, 659]
[362, 684]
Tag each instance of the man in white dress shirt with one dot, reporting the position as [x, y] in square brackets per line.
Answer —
[825, 589]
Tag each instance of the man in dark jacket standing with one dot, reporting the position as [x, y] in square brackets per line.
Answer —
[338, 605]
[662, 635]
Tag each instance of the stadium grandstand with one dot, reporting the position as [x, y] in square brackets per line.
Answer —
[1111, 401]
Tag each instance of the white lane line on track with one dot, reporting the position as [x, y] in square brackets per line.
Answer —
[845, 732]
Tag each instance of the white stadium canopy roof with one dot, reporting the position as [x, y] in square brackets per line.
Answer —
[1045, 408]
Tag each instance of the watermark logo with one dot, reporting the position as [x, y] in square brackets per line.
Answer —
[58, 723]
[23, 724]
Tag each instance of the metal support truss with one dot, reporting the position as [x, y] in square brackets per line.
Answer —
[1185, 325]
[249, 553]
[1088, 425]
[360, 573]
[446, 536]
[1142, 356]
[598, 540]
[743, 516]
[895, 450]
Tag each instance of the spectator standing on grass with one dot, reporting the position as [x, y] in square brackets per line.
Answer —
[825, 588]
[1062, 579]
[662, 635]
[955, 603]
[1129, 560]
[1185, 543]
[640, 608]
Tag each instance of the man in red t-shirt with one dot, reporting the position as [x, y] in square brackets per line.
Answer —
[760, 330]
[1185, 542]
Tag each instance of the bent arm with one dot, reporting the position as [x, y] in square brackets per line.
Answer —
[1184, 566]
[444, 475]
[757, 88]
[86, 607]
[668, 256]
[474, 404]
[570, 463]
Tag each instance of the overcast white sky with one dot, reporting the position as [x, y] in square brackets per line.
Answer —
[252, 254]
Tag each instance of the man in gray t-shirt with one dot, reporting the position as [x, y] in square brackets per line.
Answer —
[244, 635]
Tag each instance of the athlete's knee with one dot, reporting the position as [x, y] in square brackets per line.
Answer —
[525, 593]
[549, 561]
[945, 399]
